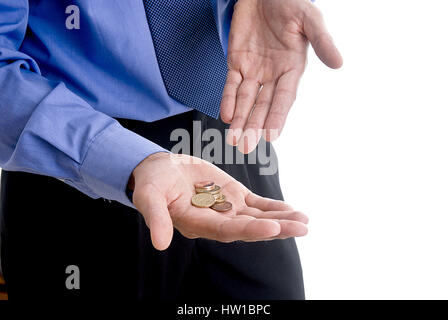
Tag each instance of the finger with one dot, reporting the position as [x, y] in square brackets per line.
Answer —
[289, 229]
[317, 34]
[225, 228]
[254, 229]
[228, 100]
[247, 93]
[280, 215]
[255, 123]
[152, 205]
[265, 204]
[284, 96]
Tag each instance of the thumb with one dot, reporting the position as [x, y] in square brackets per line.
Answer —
[317, 34]
[152, 205]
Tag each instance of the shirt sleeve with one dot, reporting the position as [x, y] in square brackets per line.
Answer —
[47, 129]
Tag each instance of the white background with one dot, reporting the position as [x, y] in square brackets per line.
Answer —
[365, 154]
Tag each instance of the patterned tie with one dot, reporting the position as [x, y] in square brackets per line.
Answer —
[189, 52]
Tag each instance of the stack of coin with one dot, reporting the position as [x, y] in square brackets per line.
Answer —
[208, 195]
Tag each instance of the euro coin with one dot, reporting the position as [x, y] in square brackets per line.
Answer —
[220, 198]
[204, 186]
[203, 200]
[216, 189]
[222, 207]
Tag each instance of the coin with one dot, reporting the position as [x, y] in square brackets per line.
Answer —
[215, 190]
[220, 198]
[204, 186]
[222, 207]
[203, 200]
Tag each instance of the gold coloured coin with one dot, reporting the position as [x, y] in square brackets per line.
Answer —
[204, 186]
[220, 198]
[203, 200]
[222, 207]
[215, 190]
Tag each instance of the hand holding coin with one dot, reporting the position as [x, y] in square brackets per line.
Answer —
[202, 201]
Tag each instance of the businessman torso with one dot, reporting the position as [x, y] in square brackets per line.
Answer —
[110, 63]
[110, 60]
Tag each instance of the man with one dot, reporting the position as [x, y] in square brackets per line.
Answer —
[91, 93]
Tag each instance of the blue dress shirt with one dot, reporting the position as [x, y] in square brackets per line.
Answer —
[61, 88]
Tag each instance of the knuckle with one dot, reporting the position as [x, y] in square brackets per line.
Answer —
[277, 115]
[287, 206]
[238, 120]
[243, 96]
[296, 216]
[222, 236]
[227, 98]
[273, 124]
[232, 83]
[262, 104]
[253, 124]
[286, 94]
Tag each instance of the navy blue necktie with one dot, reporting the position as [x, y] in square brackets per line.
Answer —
[189, 52]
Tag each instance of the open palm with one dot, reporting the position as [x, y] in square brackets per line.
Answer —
[163, 191]
[266, 58]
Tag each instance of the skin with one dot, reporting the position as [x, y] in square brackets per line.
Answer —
[164, 184]
[267, 56]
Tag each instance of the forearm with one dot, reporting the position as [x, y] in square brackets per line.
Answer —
[63, 137]
[47, 129]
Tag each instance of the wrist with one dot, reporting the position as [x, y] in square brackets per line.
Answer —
[153, 157]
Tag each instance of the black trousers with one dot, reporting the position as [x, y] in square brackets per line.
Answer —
[47, 226]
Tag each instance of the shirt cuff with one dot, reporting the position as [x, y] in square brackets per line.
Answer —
[112, 156]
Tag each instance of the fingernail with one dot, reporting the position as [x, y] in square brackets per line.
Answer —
[276, 228]
[233, 136]
[248, 141]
